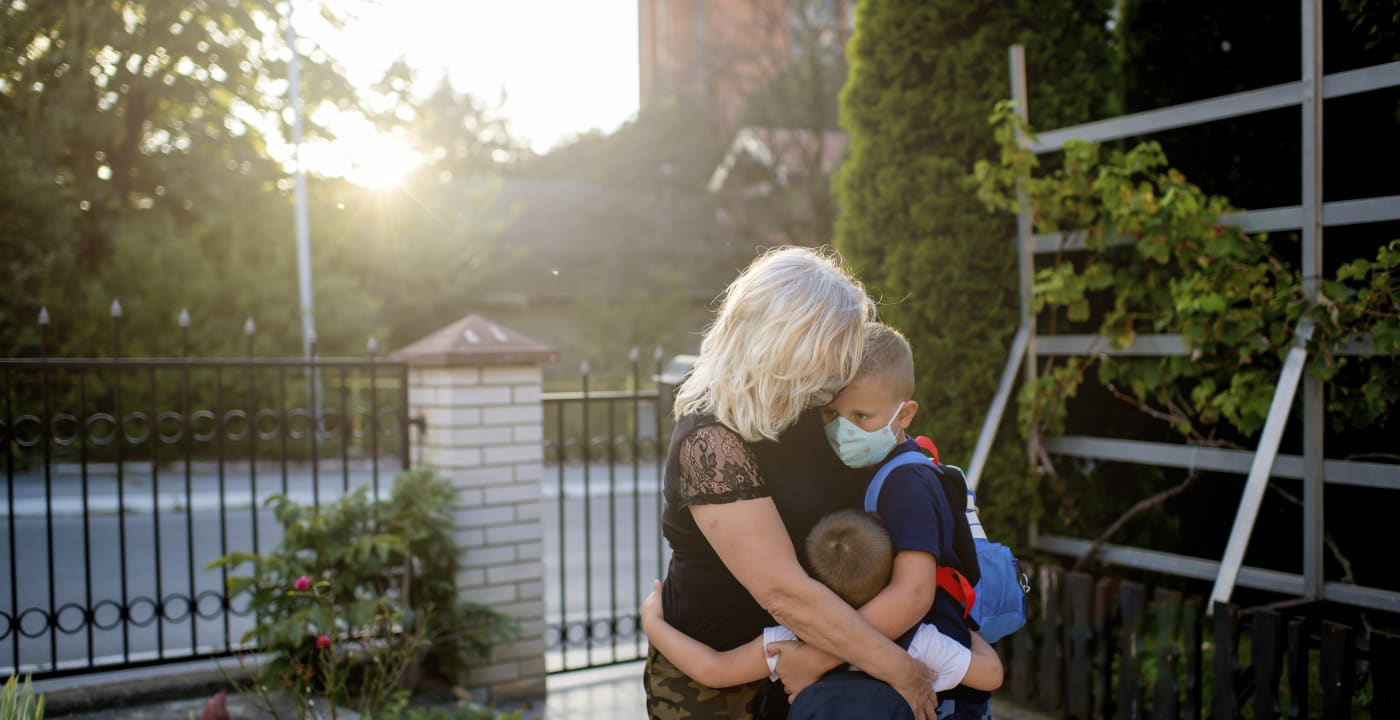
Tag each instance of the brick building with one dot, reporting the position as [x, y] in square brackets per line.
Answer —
[715, 53]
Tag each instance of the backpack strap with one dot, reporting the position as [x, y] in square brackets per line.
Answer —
[872, 491]
[952, 582]
[928, 447]
[948, 579]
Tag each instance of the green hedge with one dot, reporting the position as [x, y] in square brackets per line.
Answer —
[924, 76]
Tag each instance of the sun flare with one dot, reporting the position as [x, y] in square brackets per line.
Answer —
[378, 161]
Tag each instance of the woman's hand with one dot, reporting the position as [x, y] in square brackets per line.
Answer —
[915, 684]
[652, 609]
[800, 665]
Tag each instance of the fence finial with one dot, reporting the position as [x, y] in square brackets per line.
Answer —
[44, 315]
[184, 317]
[583, 368]
[116, 308]
[250, 327]
[636, 353]
[373, 345]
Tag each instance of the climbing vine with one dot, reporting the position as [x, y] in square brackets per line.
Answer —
[1157, 259]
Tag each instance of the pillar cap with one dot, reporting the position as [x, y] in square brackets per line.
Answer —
[474, 341]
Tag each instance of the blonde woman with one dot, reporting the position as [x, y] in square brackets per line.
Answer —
[750, 469]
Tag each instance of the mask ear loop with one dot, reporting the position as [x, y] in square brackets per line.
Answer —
[890, 425]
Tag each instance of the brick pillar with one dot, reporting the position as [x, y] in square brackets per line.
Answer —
[477, 387]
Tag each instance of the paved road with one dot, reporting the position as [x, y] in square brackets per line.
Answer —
[609, 547]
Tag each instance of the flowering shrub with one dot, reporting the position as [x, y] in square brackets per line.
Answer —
[357, 594]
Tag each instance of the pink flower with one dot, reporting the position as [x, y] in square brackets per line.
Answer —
[302, 584]
[323, 642]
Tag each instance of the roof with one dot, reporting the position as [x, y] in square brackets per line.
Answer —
[785, 151]
[474, 340]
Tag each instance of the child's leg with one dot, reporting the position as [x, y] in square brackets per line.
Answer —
[985, 671]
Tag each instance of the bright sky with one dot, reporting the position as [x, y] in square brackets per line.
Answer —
[566, 66]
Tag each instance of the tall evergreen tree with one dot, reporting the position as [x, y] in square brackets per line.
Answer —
[924, 75]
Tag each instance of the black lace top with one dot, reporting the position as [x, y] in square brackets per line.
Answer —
[716, 467]
[709, 464]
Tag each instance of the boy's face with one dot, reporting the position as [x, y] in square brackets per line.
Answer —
[869, 404]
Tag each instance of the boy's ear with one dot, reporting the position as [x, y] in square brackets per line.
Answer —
[906, 415]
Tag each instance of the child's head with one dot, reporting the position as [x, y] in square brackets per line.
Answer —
[878, 399]
[850, 553]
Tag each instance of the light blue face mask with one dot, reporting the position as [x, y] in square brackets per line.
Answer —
[859, 448]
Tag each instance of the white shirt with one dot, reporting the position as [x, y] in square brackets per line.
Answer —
[935, 650]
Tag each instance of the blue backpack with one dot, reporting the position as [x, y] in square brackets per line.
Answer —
[991, 588]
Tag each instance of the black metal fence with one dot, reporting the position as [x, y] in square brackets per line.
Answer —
[603, 458]
[125, 477]
[1104, 648]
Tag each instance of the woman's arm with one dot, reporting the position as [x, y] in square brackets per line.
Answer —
[901, 605]
[701, 662]
[749, 537]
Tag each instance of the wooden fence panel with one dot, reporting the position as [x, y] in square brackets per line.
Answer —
[1191, 645]
[1105, 640]
[1050, 675]
[1338, 670]
[1385, 675]
[1079, 596]
[1132, 600]
[1297, 669]
[1226, 620]
[1267, 651]
[1166, 694]
[1064, 661]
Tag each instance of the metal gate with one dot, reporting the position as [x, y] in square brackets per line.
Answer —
[604, 452]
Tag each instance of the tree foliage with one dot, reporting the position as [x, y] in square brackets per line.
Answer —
[143, 143]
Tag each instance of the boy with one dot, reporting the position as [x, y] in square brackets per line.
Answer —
[865, 424]
[850, 553]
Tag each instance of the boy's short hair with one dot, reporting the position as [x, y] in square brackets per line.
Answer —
[850, 552]
[887, 356]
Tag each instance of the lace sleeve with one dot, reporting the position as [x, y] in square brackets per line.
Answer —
[716, 467]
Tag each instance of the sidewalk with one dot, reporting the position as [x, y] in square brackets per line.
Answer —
[615, 693]
[609, 693]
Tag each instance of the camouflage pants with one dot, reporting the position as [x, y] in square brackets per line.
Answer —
[671, 695]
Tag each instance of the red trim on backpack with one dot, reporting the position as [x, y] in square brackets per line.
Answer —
[952, 582]
[949, 580]
[928, 447]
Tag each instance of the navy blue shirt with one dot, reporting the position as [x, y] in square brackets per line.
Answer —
[917, 514]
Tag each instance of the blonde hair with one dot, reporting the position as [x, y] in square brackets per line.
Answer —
[850, 552]
[888, 358]
[790, 326]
